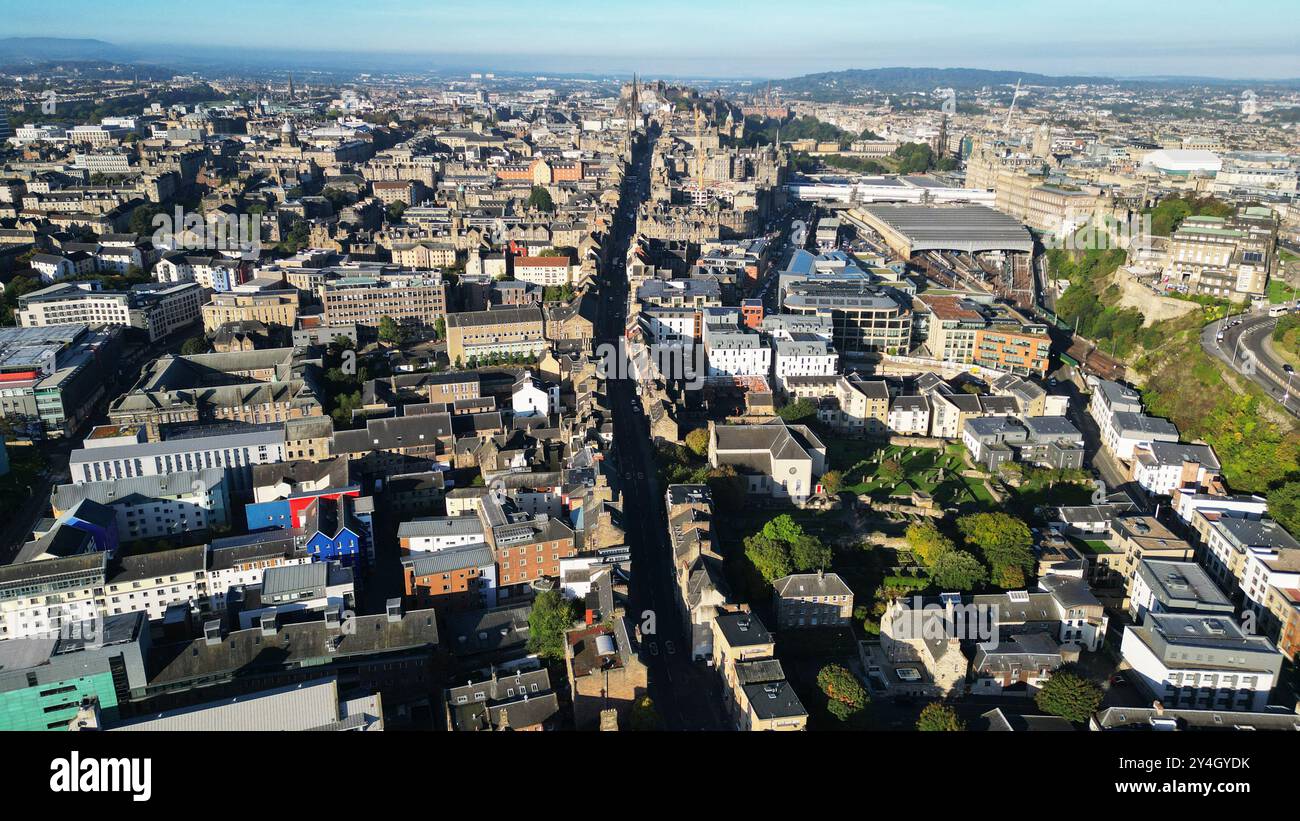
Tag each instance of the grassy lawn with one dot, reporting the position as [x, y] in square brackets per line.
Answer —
[1279, 291]
[1091, 545]
[932, 470]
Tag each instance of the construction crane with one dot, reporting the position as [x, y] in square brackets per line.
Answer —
[1006, 126]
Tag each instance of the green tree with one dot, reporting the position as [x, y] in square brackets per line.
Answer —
[697, 441]
[914, 158]
[141, 222]
[558, 293]
[832, 481]
[344, 405]
[1069, 695]
[939, 717]
[390, 331]
[299, 237]
[845, 695]
[771, 558]
[1004, 541]
[797, 411]
[195, 345]
[927, 543]
[958, 570]
[808, 553]
[551, 616]
[395, 211]
[892, 470]
[1284, 505]
[540, 199]
[782, 547]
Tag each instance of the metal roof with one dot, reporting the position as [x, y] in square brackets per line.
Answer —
[970, 228]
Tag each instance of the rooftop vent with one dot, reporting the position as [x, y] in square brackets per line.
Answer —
[212, 632]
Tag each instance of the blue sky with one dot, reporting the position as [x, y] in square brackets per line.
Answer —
[760, 38]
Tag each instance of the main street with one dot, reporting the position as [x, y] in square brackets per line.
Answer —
[1245, 348]
[685, 692]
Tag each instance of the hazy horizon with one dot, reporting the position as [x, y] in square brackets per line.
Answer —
[761, 40]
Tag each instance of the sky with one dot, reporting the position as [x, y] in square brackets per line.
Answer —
[755, 38]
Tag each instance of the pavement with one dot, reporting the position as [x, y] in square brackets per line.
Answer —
[1094, 455]
[1245, 349]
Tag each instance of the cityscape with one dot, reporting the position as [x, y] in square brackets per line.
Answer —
[453, 390]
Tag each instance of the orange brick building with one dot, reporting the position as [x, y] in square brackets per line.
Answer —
[455, 578]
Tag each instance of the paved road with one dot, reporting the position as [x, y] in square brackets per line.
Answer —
[1095, 456]
[1243, 348]
[684, 692]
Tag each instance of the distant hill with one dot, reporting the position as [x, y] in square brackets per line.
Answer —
[895, 80]
[42, 49]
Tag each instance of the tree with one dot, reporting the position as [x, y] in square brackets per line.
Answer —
[552, 614]
[540, 199]
[832, 481]
[845, 695]
[440, 328]
[1003, 539]
[796, 411]
[298, 238]
[195, 345]
[914, 158]
[1284, 505]
[141, 222]
[927, 543]
[698, 441]
[939, 717]
[395, 211]
[782, 547]
[892, 470]
[558, 293]
[727, 487]
[771, 558]
[1069, 695]
[644, 715]
[958, 570]
[390, 331]
[808, 553]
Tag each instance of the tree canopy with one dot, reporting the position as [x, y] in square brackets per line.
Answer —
[938, 717]
[390, 331]
[551, 616]
[782, 547]
[540, 199]
[1069, 695]
[845, 695]
[1004, 541]
[958, 570]
[1284, 505]
[698, 441]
